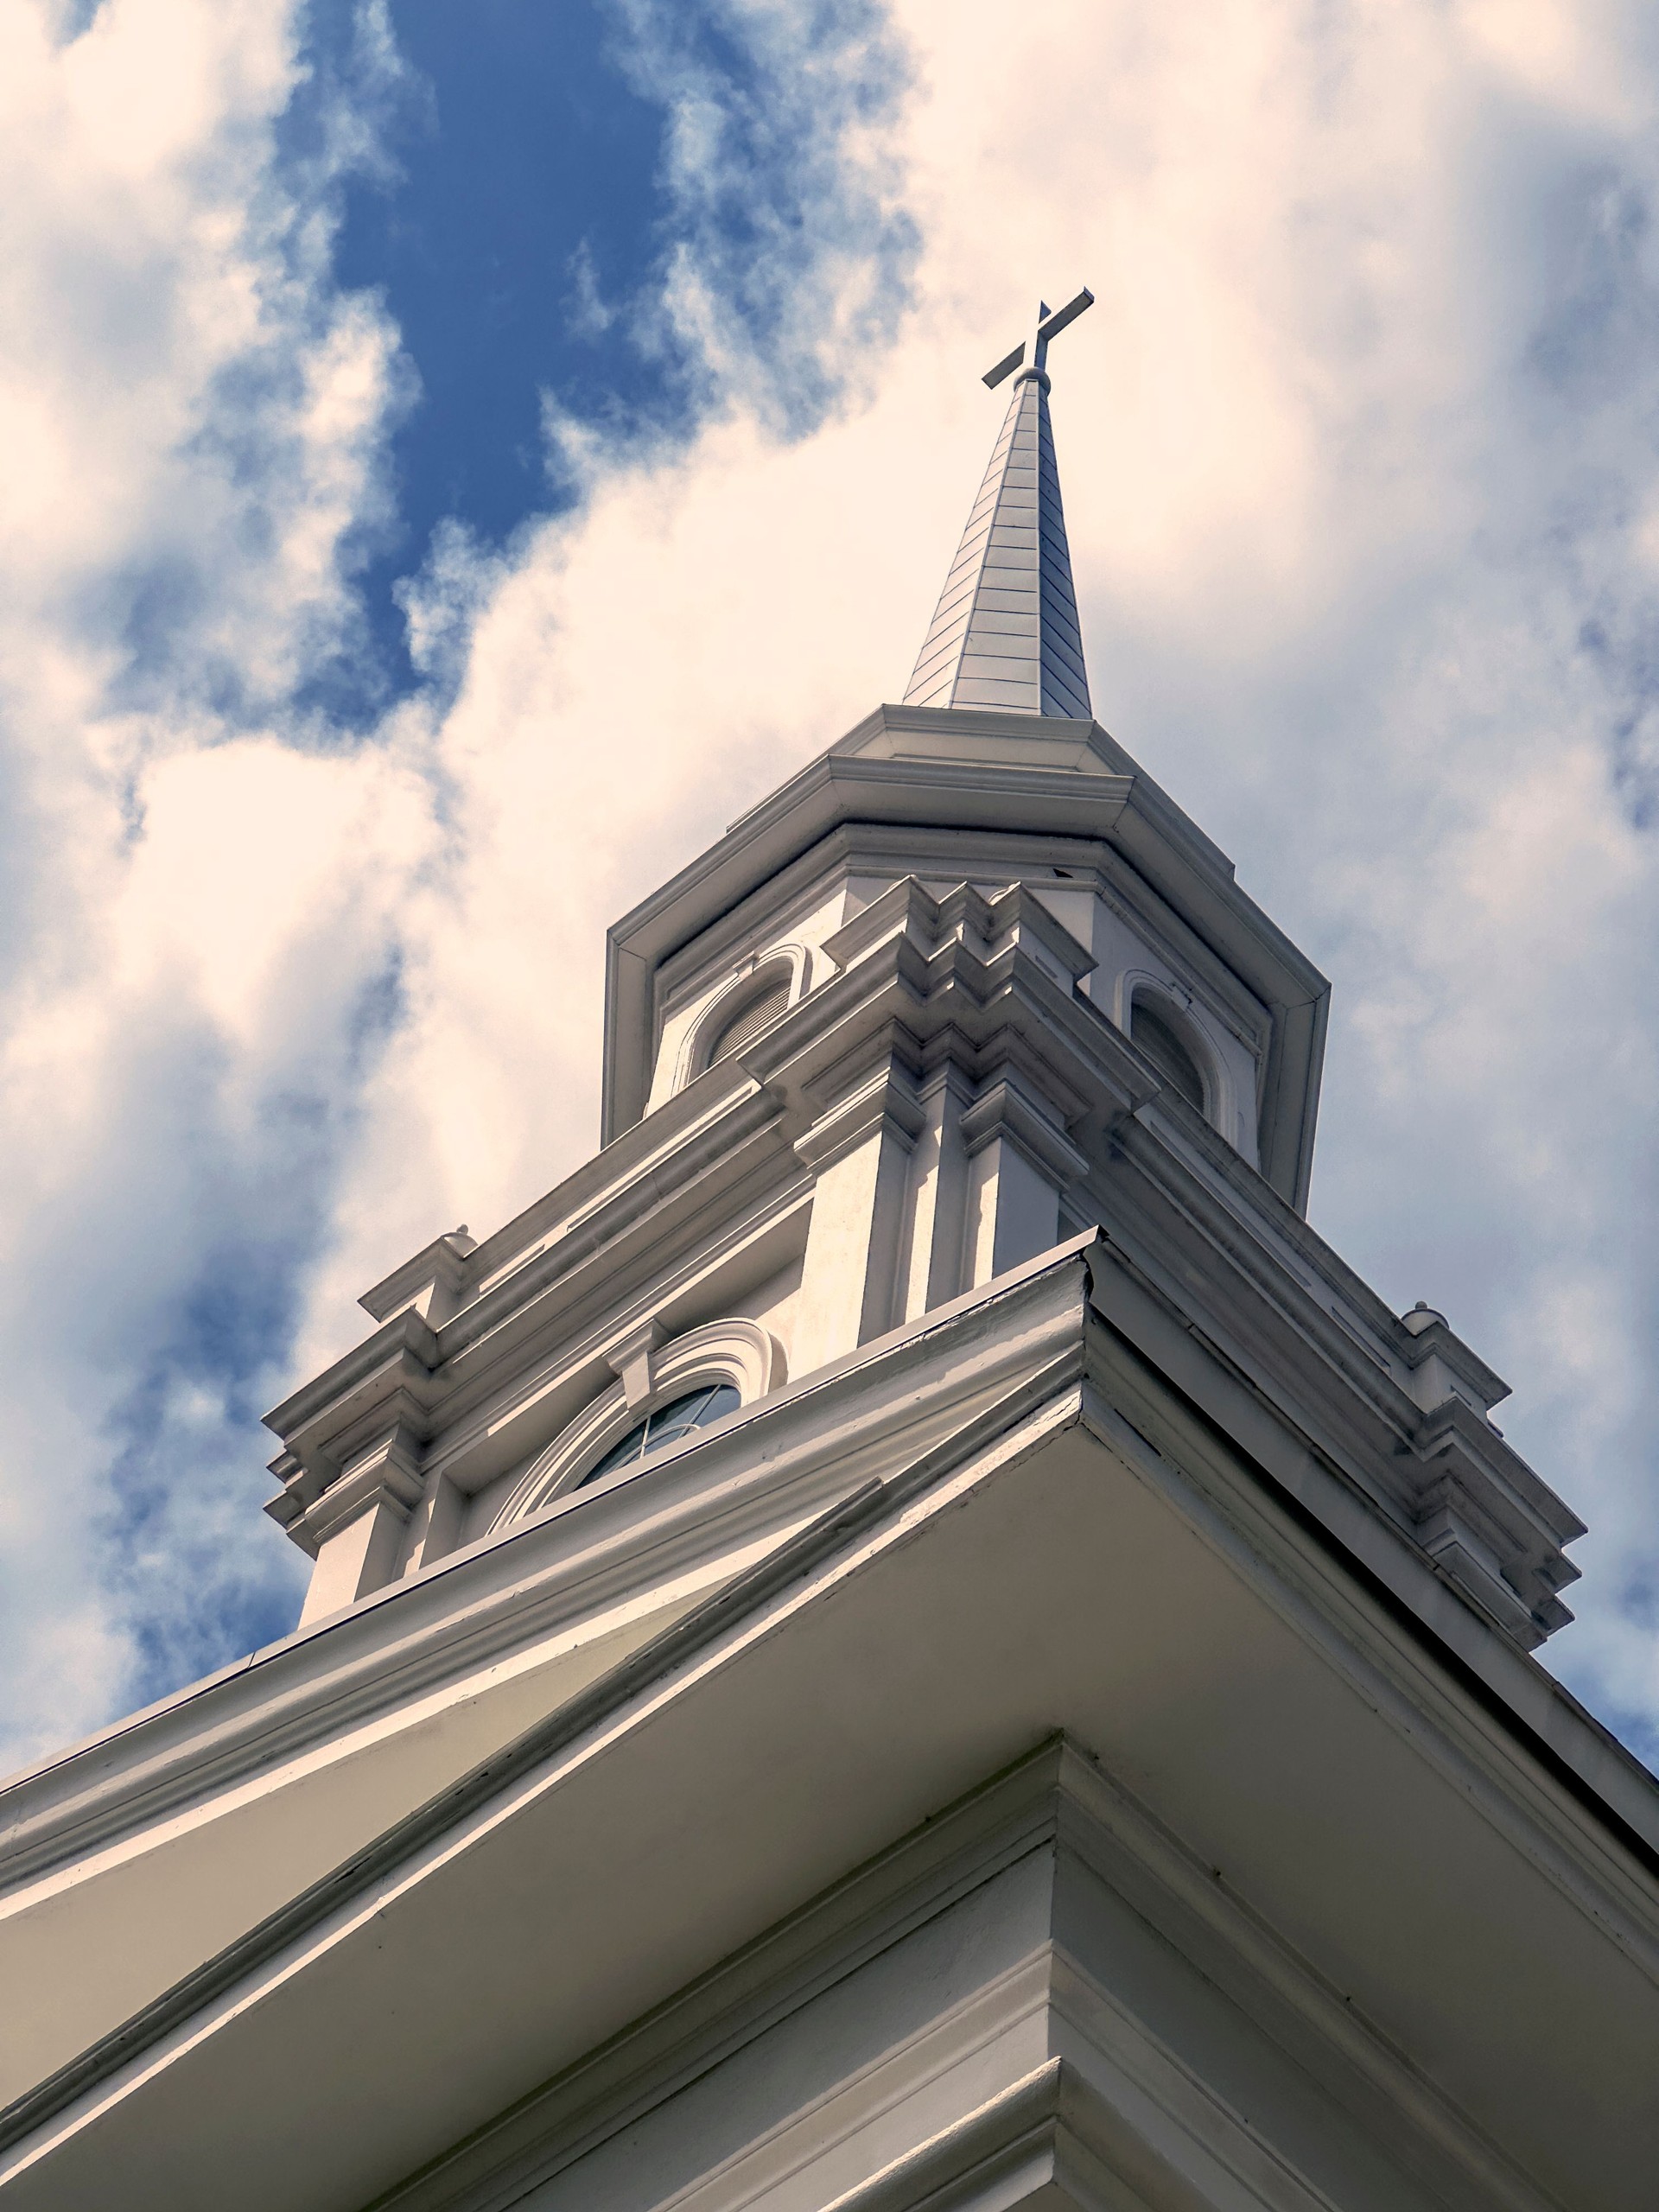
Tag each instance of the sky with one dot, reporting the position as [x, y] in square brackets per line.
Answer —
[459, 457]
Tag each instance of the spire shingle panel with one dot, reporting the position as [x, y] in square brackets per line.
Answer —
[1005, 632]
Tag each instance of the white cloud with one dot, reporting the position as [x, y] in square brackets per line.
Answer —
[195, 928]
[1360, 477]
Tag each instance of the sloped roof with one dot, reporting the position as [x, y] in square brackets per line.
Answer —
[1281, 1701]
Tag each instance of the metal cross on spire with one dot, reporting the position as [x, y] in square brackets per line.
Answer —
[1005, 633]
[1045, 326]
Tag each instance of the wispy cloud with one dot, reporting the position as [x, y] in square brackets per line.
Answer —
[1360, 465]
[195, 418]
[222, 905]
[789, 241]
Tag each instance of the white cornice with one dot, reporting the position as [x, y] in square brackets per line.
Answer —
[378, 1928]
[969, 769]
[818, 1436]
[1055, 1799]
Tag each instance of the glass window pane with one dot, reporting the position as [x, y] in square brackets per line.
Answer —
[687, 1414]
[666, 1426]
[632, 1446]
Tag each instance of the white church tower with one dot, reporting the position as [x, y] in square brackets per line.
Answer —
[908, 1637]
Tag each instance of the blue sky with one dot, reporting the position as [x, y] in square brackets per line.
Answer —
[511, 221]
[515, 211]
[510, 214]
[463, 456]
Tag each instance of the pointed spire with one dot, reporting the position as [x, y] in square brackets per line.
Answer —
[1005, 632]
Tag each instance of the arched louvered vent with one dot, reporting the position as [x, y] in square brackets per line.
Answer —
[750, 1018]
[1158, 1038]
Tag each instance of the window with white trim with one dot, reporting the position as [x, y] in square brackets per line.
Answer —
[666, 1426]
[693, 1380]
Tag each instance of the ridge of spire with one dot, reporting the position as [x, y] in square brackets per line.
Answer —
[1005, 633]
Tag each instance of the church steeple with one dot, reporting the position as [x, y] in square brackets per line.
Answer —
[1005, 632]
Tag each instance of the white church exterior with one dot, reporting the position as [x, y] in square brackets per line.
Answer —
[910, 1636]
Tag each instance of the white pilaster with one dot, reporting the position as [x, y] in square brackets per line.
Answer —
[932, 1269]
[1020, 1161]
[359, 1523]
[859, 1153]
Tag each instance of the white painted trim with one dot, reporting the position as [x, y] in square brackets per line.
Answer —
[793, 960]
[1188, 1020]
[738, 1351]
[1054, 1798]
[1054, 2138]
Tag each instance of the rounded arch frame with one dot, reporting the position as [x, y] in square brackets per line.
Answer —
[791, 961]
[1186, 1019]
[737, 1350]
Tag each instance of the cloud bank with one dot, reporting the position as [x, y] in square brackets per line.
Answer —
[1359, 455]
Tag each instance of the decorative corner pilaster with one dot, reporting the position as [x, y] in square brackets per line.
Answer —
[887, 1101]
[354, 1531]
[859, 1152]
[1005, 1109]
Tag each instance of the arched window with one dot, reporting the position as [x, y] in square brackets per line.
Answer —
[1155, 1031]
[691, 1380]
[750, 1017]
[666, 1426]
